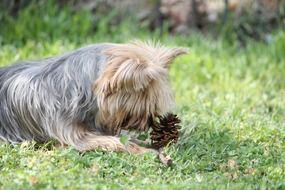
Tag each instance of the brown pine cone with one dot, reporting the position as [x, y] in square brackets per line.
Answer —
[165, 131]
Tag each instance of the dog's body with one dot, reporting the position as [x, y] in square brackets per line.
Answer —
[84, 98]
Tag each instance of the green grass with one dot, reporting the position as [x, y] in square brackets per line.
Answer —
[232, 105]
[231, 102]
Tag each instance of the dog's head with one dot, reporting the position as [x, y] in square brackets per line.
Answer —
[135, 85]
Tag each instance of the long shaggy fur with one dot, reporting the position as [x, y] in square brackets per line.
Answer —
[85, 97]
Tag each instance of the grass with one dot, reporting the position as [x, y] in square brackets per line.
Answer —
[232, 104]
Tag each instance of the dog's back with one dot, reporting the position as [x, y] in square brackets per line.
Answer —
[36, 96]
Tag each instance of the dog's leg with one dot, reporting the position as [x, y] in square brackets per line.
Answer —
[92, 141]
[83, 139]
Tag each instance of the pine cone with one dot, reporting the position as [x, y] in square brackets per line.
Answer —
[165, 131]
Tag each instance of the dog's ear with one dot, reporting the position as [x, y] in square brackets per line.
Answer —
[133, 66]
[134, 75]
[128, 74]
[167, 55]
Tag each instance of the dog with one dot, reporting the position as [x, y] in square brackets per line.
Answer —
[84, 98]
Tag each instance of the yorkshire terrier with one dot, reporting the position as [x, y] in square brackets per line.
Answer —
[86, 97]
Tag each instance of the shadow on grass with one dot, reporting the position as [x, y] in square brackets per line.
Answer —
[216, 149]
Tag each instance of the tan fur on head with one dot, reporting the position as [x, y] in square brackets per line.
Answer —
[135, 85]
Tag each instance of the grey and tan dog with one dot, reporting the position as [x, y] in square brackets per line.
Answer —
[84, 98]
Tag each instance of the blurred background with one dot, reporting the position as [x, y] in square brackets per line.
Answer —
[236, 21]
[229, 91]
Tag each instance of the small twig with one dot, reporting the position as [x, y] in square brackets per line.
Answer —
[165, 159]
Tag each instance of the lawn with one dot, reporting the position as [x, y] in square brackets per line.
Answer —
[232, 104]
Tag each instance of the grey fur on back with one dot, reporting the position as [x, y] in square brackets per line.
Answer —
[40, 98]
